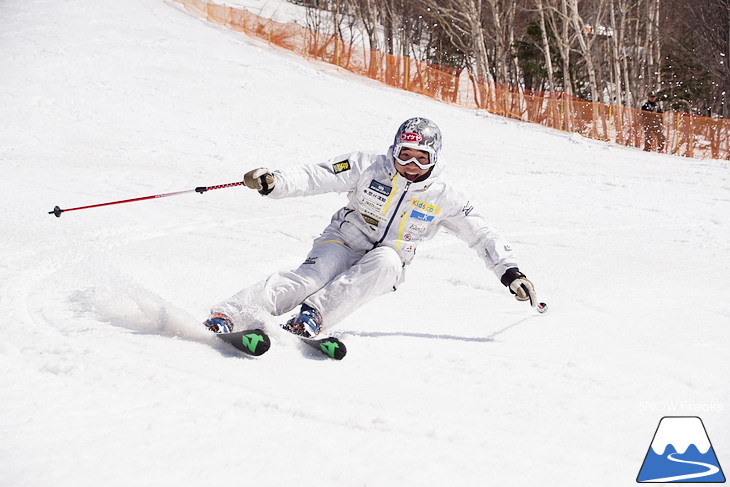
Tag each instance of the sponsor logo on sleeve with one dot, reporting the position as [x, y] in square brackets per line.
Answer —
[467, 209]
[341, 166]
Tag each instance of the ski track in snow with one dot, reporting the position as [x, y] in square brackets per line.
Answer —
[107, 377]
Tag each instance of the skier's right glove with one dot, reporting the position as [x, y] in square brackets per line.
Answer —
[520, 286]
[260, 179]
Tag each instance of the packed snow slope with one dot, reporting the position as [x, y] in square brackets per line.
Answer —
[108, 378]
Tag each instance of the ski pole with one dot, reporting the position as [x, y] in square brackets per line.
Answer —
[200, 189]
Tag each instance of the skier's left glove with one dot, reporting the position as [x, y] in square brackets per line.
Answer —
[520, 286]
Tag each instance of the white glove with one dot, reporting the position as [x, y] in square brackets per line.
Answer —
[520, 286]
[260, 179]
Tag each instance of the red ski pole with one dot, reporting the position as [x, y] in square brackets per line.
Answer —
[200, 189]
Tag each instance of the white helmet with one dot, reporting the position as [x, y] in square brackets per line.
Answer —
[418, 133]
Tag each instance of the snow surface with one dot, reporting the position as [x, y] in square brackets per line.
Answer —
[278, 10]
[107, 377]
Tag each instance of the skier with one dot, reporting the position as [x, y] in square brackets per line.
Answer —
[650, 117]
[396, 201]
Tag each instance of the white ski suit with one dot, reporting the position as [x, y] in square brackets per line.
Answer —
[364, 250]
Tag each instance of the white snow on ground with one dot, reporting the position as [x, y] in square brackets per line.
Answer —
[278, 10]
[107, 377]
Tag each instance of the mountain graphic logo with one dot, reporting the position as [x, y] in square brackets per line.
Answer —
[681, 452]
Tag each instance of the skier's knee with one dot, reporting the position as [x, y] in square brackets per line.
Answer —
[388, 260]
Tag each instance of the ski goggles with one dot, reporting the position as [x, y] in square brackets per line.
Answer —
[397, 157]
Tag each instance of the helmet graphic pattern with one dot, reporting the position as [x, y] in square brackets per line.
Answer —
[418, 133]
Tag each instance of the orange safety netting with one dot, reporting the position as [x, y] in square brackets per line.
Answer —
[683, 134]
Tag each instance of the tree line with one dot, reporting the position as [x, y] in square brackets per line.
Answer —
[610, 51]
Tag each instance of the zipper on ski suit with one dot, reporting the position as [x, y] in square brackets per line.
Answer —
[395, 213]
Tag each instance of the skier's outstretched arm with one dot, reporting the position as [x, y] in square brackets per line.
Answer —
[496, 252]
[338, 175]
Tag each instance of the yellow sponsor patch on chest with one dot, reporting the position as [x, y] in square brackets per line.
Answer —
[427, 208]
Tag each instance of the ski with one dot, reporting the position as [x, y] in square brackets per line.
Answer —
[251, 342]
[256, 342]
[329, 347]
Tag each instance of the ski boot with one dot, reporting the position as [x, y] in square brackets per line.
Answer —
[219, 323]
[307, 324]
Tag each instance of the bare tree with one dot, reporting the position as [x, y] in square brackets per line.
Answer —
[461, 21]
[586, 34]
[603, 50]
[546, 49]
[498, 26]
